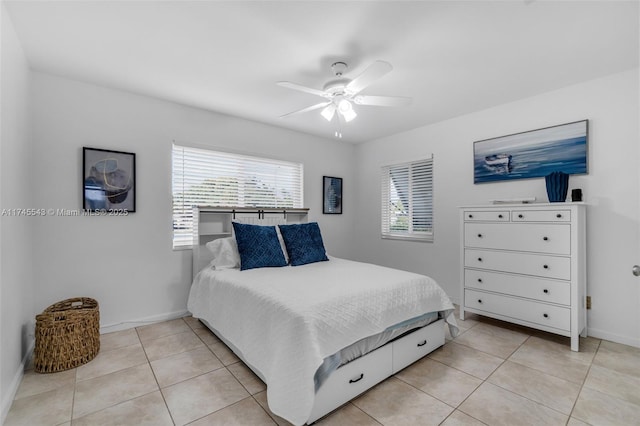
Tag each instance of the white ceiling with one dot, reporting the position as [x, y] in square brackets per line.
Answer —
[452, 57]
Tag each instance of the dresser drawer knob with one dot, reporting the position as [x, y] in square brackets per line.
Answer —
[500, 216]
[479, 235]
[545, 291]
[559, 216]
[545, 266]
[520, 216]
[479, 280]
[424, 342]
[545, 315]
[545, 238]
[479, 259]
[470, 216]
[479, 300]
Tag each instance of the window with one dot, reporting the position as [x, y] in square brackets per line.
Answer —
[407, 200]
[210, 178]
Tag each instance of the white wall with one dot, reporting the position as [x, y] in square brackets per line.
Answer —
[127, 263]
[611, 189]
[16, 275]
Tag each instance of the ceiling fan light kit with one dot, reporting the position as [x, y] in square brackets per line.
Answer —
[329, 111]
[341, 93]
[346, 110]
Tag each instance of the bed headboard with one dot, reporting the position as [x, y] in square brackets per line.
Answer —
[211, 223]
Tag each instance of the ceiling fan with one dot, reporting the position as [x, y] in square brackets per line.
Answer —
[341, 93]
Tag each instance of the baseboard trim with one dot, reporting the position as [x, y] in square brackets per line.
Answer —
[125, 325]
[8, 398]
[616, 338]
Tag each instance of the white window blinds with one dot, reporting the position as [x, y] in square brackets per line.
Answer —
[210, 178]
[407, 200]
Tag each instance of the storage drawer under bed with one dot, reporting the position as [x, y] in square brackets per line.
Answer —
[414, 346]
[359, 375]
[351, 380]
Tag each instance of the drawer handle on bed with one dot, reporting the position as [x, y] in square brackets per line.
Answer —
[424, 342]
[358, 379]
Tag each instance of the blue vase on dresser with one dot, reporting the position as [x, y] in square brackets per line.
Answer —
[557, 186]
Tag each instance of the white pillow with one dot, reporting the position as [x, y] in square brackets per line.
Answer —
[225, 253]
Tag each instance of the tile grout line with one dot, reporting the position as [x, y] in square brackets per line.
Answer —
[73, 399]
[573, 407]
[131, 399]
[155, 378]
[483, 382]
[569, 416]
[456, 408]
[508, 390]
[249, 395]
[263, 409]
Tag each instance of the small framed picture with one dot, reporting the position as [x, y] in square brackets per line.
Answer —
[331, 195]
[108, 180]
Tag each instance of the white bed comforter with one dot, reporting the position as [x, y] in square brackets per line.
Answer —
[285, 321]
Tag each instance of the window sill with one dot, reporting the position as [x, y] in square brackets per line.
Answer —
[417, 238]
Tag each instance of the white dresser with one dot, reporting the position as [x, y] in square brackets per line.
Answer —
[525, 264]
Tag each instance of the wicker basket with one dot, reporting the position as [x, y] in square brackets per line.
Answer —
[67, 335]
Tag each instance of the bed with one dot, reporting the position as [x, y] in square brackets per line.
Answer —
[319, 333]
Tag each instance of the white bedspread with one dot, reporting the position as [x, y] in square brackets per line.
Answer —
[285, 321]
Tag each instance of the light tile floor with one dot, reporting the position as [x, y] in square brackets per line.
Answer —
[494, 373]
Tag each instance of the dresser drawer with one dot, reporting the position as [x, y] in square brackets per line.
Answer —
[414, 346]
[520, 263]
[540, 238]
[541, 215]
[522, 309]
[541, 289]
[490, 216]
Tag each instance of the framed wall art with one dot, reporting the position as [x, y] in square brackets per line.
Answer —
[108, 180]
[532, 154]
[331, 195]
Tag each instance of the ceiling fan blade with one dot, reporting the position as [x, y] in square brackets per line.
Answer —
[307, 109]
[368, 76]
[300, 88]
[390, 101]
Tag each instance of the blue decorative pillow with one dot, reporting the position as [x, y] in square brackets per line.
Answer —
[304, 243]
[258, 246]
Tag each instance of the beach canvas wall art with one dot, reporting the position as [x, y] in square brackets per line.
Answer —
[532, 154]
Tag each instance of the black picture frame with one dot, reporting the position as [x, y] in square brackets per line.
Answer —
[331, 195]
[533, 154]
[108, 180]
